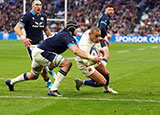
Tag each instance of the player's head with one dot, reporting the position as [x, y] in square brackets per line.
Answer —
[109, 9]
[36, 6]
[95, 34]
[71, 26]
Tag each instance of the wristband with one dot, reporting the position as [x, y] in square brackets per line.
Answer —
[104, 59]
[22, 37]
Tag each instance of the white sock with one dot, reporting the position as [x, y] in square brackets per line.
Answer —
[58, 80]
[48, 81]
[17, 79]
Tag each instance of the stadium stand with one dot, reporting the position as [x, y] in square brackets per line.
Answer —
[140, 17]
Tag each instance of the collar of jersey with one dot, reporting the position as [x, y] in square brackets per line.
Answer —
[34, 13]
[106, 14]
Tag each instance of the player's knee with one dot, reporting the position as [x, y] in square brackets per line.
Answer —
[35, 77]
[103, 82]
[44, 71]
[68, 63]
[107, 57]
[32, 76]
[107, 73]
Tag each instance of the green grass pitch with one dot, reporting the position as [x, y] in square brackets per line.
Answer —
[134, 71]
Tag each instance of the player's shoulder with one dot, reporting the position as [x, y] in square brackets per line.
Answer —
[43, 15]
[65, 33]
[105, 16]
[86, 33]
[27, 14]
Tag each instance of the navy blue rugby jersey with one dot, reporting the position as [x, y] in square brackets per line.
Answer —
[103, 24]
[34, 26]
[59, 43]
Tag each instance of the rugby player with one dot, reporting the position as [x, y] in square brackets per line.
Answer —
[104, 26]
[48, 53]
[34, 23]
[98, 74]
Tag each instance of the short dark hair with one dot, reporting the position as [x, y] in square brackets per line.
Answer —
[109, 5]
[95, 29]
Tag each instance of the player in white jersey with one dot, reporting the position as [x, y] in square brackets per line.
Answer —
[98, 74]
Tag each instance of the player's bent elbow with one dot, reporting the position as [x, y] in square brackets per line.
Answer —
[15, 29]
[107, 57]
[76, 51]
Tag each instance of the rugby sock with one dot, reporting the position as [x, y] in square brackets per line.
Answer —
[91, 83]
[107, 78]
[59, 78]
[107, 82]
[21, 77]
[48, 80]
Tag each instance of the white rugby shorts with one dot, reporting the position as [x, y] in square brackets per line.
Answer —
[85, 70]
[38, 59]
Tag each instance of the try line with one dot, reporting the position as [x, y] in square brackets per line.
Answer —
[88, 99]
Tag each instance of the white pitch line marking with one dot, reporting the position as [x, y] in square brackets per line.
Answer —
[141, 49]
[155, 47]
[123, 51]
[70, 58]
[89, 99]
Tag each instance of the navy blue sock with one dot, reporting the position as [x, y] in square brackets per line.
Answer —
[47, 79]
[91, 83]
[107, 78]
[62, 72]
[25, 76]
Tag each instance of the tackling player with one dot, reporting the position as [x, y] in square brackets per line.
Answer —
[48, 53]
[97, 73]
[34, 23]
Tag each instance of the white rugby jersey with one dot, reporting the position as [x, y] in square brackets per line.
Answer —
[86, 44]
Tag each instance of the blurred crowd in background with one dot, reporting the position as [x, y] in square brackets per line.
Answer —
[132, 17]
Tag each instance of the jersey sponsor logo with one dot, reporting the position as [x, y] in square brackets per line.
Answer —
[38, 25]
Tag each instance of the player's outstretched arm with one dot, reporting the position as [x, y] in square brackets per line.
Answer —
[83, 54]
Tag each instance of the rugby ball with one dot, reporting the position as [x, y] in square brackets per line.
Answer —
[93, 52]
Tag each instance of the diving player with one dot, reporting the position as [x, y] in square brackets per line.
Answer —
[98, 74]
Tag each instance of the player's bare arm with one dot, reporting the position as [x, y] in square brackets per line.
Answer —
[47, 32]
[83, 54]
[17, 29]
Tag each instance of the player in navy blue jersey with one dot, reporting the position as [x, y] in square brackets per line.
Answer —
[34, 23]
[104, 26]
[48, 53]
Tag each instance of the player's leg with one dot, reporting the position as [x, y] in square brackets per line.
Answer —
[44, 73]
[33, 75]
[46, 78]
[102, 69]
[65, 67]
[97, 79]
[51, 72]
